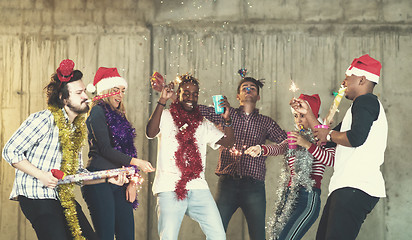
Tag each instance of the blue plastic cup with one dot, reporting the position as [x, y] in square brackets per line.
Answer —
[216, 102]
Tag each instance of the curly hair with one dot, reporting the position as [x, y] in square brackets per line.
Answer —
[186, 78]
[57, 91]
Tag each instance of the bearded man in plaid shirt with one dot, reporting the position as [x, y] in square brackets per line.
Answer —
[36, 148]
[242, 177]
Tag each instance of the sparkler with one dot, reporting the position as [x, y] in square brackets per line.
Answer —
[293, 86]
[237, 152]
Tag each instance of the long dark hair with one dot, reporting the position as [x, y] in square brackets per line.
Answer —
[57, 91]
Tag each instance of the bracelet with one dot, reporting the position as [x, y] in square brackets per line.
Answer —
[264, 150]
[228, 123]
[162, 104]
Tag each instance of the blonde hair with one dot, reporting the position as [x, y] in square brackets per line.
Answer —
[121, 109]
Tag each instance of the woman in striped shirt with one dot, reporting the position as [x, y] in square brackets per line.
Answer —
[298, 203]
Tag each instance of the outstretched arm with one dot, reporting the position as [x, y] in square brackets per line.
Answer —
[267, 150]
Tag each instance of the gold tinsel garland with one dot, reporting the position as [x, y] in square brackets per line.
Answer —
[71, 140]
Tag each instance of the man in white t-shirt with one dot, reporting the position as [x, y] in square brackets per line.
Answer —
[183, 135]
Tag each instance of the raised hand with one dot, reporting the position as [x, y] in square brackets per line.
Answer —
[299, 105]
[167, 93]
[157, 81]
[225, 104]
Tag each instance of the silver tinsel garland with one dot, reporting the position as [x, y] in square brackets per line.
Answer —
[285, 203]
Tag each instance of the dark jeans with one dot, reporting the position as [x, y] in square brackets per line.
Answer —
[344, 212]
[111, 213]
[47, 218]
[305, 212]
[247, 194]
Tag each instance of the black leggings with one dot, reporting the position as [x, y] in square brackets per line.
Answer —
[47, 218]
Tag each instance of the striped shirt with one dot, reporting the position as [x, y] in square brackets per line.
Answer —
[250, 130]
[36, 140]
[322, 157]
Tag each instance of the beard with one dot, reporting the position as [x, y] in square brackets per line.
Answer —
[80, 108]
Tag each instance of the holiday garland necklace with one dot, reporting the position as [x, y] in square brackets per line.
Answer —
[187, 155]
[285, 203]
[71, 140]
[122, 133]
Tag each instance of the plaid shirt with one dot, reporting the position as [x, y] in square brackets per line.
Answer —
[36, 140]
[250, 130]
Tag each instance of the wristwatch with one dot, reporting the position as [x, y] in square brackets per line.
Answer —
[328, 137]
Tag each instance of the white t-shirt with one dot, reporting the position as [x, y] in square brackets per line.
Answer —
[359, 167]
[167, 173]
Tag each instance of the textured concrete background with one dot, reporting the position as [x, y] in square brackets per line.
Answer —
[311, 41]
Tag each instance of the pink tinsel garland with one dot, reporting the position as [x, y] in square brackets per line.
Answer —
[187, 156]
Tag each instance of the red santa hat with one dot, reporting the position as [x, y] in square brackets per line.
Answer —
[365, 66]
[106, 78]
[314, 102]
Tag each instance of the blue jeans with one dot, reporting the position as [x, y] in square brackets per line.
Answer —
[344, 213]
[199, 205]
[305, 213]
[111, 213]
[247, 194]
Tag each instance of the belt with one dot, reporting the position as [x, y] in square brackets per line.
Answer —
[237, 177]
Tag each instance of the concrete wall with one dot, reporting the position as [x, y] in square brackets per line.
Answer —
[311, 42]
[35, 36]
